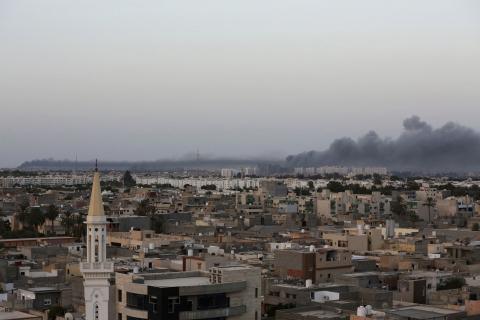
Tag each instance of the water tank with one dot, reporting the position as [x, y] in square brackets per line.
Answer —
[312, 248]
[135, 269]
[190, 252]
[68, 316]
[369, 309]
[151, 246]
[361, 311]
[308, 283]
[302, 231]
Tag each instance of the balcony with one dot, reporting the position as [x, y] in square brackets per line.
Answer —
[213, 313]
[96, 266]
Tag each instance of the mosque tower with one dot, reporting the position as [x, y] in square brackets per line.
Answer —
[97, 270]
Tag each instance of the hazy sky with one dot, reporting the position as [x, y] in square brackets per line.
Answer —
[133, 80]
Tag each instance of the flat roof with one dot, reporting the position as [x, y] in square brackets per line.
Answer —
[422, 312]
[179, 282]
[40, 289]
[321, 314]
[16, 315]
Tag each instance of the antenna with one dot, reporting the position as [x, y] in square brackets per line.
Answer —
[96, 165]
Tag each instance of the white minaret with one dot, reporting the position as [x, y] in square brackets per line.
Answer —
[97, 270]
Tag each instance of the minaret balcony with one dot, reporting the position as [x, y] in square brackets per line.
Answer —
[106, 266]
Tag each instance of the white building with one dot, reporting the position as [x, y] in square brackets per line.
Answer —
[97, 271]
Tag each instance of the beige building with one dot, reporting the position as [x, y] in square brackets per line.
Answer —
[141, 239]
[355, 240]
[331, 262]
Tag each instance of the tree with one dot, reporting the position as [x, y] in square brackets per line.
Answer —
[430, 203]
[4, 227]
[128, 180]
[55, 311]
[144, 208]
[398, 207]
[335, 186]
[311, 186]
[250, 199]
[35, 218]
[21, 216]
[412, 185]
[301, 191]
[52, 214]
[79, 227]
[209, 187]
[451, 283]
[67, 222]
[377, 179]
[158, 223]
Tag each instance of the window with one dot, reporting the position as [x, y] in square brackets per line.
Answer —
[119, 316]
[137, 301]
[47, 302]
[256, 292]
[119, 293]
[172, 301]
[153, 299]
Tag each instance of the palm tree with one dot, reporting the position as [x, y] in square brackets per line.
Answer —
[52, 214]
[430, 203]
[399, 207]
[35, 218]
[78, 226]
[144, 208]
[21, 216]
[67, 221]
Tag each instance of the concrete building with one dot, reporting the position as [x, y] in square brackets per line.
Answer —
[331, 262]
[319, 265]
[39, 298]
[230, 292]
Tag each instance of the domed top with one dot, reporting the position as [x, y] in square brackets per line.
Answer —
[96, 202]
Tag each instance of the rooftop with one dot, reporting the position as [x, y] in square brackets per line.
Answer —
[422, 312]
[12, 315]
[179, 282]
[41, 289]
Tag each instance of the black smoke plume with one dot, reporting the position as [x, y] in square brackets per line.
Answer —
[450, 148]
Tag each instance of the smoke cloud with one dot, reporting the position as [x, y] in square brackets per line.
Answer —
[449, 148]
